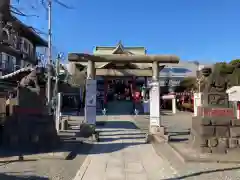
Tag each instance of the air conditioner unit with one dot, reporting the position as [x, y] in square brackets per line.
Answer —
[23, 56]
[16, 67]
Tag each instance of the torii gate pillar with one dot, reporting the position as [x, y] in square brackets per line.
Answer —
[155, 118]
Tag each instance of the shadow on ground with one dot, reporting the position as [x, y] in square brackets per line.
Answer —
[107, 145]
[177, 137]
[15, 177]
[116, 125]
[74, 146]
[192, 175]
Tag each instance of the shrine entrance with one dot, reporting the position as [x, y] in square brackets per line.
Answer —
[118, 95]
[119, 89]
[152, 71]
[115, 91]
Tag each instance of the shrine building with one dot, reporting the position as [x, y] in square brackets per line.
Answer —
[171, 74]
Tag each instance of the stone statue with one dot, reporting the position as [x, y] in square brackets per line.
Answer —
[31, 81]
[216, 84]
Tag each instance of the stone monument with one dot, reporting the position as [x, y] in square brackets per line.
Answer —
[215, 129]
[29, 126]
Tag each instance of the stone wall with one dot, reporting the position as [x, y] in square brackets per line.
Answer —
[216, 130]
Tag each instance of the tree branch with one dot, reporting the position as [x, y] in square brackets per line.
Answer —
[63, 4]
[16, 11]
[38, 31]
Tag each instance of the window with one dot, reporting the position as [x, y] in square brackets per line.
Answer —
[23, 63]
[4, 59]
[166, 70]
[8, 62]
[5, 34]
[180, 70]
[1, 60]
[27, 47]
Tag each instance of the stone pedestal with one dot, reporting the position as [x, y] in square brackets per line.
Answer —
[29, 127]
[215, 129]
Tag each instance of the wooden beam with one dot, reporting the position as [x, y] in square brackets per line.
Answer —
[81, 57]
[124, 72]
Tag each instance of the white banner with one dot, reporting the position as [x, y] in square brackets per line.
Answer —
[167, 82]
[146, 106]
[197, 102]
[90, 106]
[155, 104]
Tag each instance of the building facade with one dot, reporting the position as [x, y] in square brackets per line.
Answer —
[18, 42]
[172, 75]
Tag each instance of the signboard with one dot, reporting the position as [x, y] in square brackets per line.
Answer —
[154, 104]
[90, 115]
[90, 106]
[234, 93]
[167, 82]
[170, 96]
[197, 102]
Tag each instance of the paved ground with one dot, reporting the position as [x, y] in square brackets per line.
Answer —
[46, 169]
[193, 171]
[123, 155]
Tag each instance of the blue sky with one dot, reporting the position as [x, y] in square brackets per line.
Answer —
[203, 30]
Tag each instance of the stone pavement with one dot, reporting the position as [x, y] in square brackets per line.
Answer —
[123, 154]
[181, 121]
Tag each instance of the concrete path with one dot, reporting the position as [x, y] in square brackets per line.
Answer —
[123, 155]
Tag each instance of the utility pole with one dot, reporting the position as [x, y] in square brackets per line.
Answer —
[57, 70]
[198, 77]
[49, 62]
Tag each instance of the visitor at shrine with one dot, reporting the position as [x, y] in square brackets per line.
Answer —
[136, 101]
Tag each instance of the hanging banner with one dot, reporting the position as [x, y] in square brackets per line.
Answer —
[90, 103]
[155, 104]
[173, 82]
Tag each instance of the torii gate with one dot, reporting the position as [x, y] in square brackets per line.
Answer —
[155, 60]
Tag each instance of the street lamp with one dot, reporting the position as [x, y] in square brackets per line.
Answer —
[170, 89]
[57, 70]
[198, 75]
